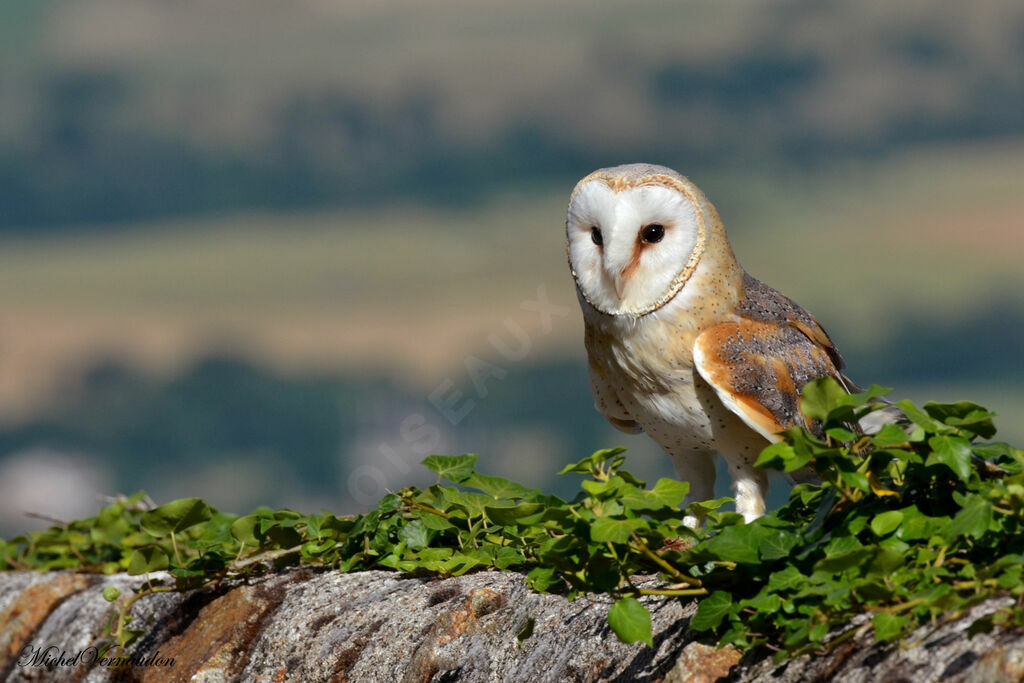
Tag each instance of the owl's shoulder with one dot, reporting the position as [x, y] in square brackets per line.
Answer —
[762, 304]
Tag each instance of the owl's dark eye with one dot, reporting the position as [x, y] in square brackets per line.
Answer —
[652, 233]
[595, 236]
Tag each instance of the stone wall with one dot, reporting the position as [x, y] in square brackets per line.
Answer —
[303, 625]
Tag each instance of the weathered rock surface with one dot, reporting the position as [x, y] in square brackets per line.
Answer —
[301, 625]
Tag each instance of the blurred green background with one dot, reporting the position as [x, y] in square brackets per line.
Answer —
[242, 244]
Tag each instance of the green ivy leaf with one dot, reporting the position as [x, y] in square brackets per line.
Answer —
[842, 545]
[415, 535]
[776, 455]
[460, 563]
[965, 415]
[436, 522]
[857, 480]
[611, 530]
[887, 561]
[284, 537]
[886, 522]
[592, 463]
[244, 530]
[802, 447]
[917, 526]
[148, 559]
[473, 504]
[777, 543]
[922, 419]
[454, 468]
[997, 451]
[669, 492]
[765, 601]
[787, 579]
[738, 543]
[888, 626]
[952, 451]
[523, 513]
[889, 435]
[820, 397]
[175, 517]
[841, 434]
[631, 621]
[835, 564]
[973, 520]
[703, 508]
[542, 578]
[497, 487]
[506, 557]
[864, 397]
[711, 611]
[129, 636]
[606, 489]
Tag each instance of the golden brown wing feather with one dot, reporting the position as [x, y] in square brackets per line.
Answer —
[759, 364]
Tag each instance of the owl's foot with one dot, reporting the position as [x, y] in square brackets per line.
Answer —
[697, 468]
[749, 488]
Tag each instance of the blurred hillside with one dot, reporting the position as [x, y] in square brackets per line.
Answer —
[116, 110]
[243, 245]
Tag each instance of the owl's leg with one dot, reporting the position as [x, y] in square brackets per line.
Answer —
[697, 468]
[749, 484]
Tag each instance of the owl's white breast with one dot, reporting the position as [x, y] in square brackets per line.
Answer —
[649, 363]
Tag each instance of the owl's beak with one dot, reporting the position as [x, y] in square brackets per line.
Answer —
[620, 282]
[619, 267]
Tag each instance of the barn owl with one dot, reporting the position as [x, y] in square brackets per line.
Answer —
[682, 343]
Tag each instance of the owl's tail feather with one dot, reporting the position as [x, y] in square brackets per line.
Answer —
[871, 423]
[848, 384]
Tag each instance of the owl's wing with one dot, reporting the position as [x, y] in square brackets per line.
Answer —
[759, 364]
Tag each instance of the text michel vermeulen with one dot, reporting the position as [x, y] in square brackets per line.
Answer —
[52, 657]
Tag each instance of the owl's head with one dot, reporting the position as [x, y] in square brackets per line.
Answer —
[636, 233]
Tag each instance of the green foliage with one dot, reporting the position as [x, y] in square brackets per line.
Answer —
[631, 621]
[915, 523]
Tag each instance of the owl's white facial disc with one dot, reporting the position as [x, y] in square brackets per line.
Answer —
[631, 250]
